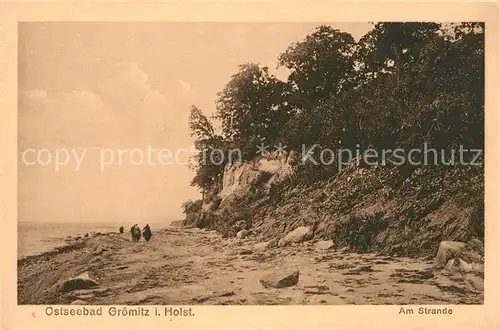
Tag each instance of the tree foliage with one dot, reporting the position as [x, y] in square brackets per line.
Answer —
[207, 144]
[321, 65]
[250, 108]
[400, 85]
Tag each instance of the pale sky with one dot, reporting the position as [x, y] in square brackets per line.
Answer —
[101, 87]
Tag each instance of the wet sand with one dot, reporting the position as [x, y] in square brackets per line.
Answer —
[192, 266]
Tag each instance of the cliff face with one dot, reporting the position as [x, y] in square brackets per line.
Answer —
[262, 174]
[402, 211]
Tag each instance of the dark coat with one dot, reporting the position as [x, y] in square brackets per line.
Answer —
[146, 232]
[136, 233]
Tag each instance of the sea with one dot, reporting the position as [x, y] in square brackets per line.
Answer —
[37, 237]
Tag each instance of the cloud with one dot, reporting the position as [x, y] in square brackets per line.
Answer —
[125, 109]
[186, 87]
[61, 119]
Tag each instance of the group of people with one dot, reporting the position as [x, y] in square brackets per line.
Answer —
[135, 231]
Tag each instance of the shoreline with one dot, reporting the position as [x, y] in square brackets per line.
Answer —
[61, 245]
[68, 236]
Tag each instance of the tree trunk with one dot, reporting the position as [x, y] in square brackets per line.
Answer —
[201, 207]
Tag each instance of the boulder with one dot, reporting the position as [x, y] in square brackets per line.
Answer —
[476, 283]
[298, 235]
[262, 246]
[245, 252]
[457, 265]
[324, 245]
[78, 302]
[99, 250]
[280, 279]
[242, 234]
[449, 250]
[81, 282]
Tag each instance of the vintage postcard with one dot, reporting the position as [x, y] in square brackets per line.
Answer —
[246, 165]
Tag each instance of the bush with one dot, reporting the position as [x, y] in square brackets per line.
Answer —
[357, 232]
[192, 210]
[477, 221]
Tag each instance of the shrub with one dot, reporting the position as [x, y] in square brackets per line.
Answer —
[357, 232]
[477, 221]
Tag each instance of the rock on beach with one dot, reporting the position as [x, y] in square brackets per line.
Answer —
[280, 279]
[81, 282]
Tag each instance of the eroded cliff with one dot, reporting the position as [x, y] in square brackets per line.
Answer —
[401, 210]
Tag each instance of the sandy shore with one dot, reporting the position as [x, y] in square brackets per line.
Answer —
[192, 266]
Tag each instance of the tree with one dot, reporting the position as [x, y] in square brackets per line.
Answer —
[200, 126]
[321, 65]
[401, 85]
[386, 91]
[322, 68]
[418, 84]
[392, 46]
[250, 108]
[208, 172]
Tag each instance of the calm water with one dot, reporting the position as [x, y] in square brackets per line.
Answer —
[34, 238]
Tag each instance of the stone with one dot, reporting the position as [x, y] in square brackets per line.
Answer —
[476, 283]
[453, 265]
[470, 253]
[297, 235]
[100, 250]
[457, 265]
[81, 282]
[273, 243]
[324, 245]
[95, 260]
[366, 268]
[262, 246]
[78, 302]
[448, 250]
[242, 234]
[225, 294]
[280, 279]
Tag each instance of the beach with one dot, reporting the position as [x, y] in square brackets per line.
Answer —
[195, 266]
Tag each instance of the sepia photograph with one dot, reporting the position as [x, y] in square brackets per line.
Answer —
[251, 163]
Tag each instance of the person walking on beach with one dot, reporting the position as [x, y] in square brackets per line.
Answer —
[121, 229]
[136, 233]
[146, 233]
